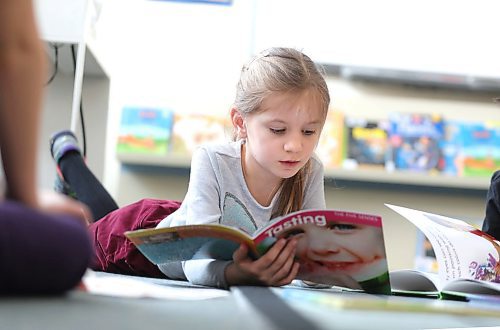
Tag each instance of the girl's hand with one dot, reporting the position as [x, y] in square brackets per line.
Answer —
[275, 268]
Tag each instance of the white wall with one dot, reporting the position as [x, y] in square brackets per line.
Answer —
[445, 36]
[171, 55]
[57, 116]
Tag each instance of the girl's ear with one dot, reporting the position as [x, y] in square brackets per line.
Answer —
[238, 123]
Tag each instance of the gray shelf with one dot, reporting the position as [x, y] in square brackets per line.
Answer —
[407, 178]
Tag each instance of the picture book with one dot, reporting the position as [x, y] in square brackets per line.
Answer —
[331, 145]
[468, 259]
[367, 142]
[315, 300]
[471, 148]
[425, 258]
[128, 286]
[191, 130]
[414, 142]
[145, 130]
[419, 283]
[334, 247]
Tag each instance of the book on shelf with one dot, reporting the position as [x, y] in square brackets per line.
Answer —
[192, 129]
[468, 260]
[414, 142]
[331, 145]
[334, 247]
[145, 130]
[471, 149]
[367, 143]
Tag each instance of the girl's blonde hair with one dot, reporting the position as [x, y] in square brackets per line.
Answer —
[281, 70]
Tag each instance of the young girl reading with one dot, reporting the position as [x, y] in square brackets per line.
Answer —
[269, 169]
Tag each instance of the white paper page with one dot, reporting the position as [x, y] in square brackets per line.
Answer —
[460, 249]
[127, 287]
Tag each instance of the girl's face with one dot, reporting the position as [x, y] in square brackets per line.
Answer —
[340, 248]
[282, 136]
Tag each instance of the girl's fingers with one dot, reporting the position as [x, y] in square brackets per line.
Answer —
[240, 254]
[286, 256]
[284, 263]
[271, 255]
[291, 275]
[276, 267]
[276, 264]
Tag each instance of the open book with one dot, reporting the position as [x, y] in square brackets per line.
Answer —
[468, 260]
[334, 247]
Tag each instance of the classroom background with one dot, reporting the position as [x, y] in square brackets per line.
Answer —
[179, 61]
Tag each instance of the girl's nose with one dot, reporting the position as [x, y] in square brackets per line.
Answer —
[293, 143]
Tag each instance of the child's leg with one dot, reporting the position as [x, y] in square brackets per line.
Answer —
[117, 254]
[78, 177]
[491, 224]
[40, 253]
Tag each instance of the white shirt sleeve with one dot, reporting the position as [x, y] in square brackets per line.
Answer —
[203, 195]
[203, 206]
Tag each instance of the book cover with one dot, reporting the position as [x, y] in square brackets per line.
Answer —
[463, 252]
[367, 142]
[334, 247]
[471, 148]
[414, 141]
[145, 130]
[191, 130]
[331, 145]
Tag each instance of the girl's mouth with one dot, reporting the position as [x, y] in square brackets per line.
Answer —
[289, 163]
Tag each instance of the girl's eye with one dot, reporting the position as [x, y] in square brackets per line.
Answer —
[342, 227]
[292, 233]
[277, 130]
[309, 132]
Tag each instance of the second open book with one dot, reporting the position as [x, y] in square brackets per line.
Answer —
[468, 260]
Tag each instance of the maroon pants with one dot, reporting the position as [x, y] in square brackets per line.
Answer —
[114, 252]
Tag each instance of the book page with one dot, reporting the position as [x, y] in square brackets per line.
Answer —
[124, 286]
[210, 241]
[414, 282]
[468, 286]
[462, 251]
[334, 247]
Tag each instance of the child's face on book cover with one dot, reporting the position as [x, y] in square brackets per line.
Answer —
[282, 136]
[353, 250]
